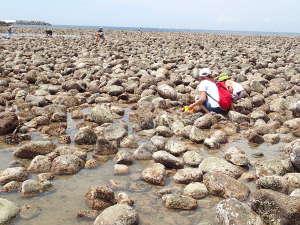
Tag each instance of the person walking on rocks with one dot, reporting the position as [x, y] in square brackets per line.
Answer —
[235, 88]
[207, 97]
[99, 34]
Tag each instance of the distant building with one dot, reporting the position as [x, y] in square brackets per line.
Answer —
[8, 21]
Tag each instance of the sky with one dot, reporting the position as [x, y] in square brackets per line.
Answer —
[238, 15]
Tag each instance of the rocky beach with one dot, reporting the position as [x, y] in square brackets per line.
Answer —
[93, 132]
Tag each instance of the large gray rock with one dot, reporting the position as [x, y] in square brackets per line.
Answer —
[40, 164]
[13, 174]
[167, 91]
[159, 141]
[176, 201]
[188, 175]
[155, 174]
[276, 208]
[167, 159]
[205, 122]
[271, 167]
[66, 164]
[119, 214]
[8, 210]
[192, 158]
[34, 148]
[222, 185]
[196, 190]
[101, 115]
[176, 146]
[114, 132]
[276, 183]
[99, 197]
[237, 117]
[85, 136]
[236, 156]
[294, 150]
[105, 147]
[292, 180]
[197, 135]
[8, 122]
[233, 212]
[115, 90]
[214, 164]
[30, 187]
[124, 157]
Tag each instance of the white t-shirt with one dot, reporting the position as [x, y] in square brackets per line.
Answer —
[211, 89]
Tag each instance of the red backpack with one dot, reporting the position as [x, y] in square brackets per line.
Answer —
[225, 97]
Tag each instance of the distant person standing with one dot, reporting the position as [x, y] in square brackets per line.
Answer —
[9, 32]
[100, 34]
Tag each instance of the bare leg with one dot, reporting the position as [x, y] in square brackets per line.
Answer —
[202, 108]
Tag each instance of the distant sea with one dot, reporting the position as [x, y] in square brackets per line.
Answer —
[228, 32]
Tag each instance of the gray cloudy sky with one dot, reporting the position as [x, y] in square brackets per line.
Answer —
[251, 15]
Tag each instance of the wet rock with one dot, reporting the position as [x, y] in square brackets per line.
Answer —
[89, 214]
[40, 164]
[176, 201]
[236, 156]
[296, 193]
[114, 132]
[271, 138]
[167, 159]
[167, 91]
[30, 187]
[159, 142]
[105, 147]
[214, 164]
[91, 164]
[85, 136]
[276, 183]
[129, 142]
[205, 122]
[176, 146]
[64, 139]
[163, 131]
[123, 157]
[28, 212]
[222, 185]
[276, 208]
[45, 176]
[270, 167]
[115, 90]
[8, 211]
[8, 122]
[196, 190]
[13, 174]
[296, 109]
[101, 115]
[233, 212]
[192, 158]
[120, 214]
[295, 154]
[237, 117]
[188, 175]
[292, 180]
[66, 164]
[34, 148]
[99, 197]
[155, 174]
[217, 138]
[11, 186]
[254, 137]
[197, 135]
[123, 198]
[120, 169]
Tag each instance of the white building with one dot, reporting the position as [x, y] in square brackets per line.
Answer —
[8, 21]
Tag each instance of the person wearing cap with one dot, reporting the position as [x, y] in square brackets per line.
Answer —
[235, 88]
[207, 97]
[99, 34]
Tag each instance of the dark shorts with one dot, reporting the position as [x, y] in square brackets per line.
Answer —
[216, 110]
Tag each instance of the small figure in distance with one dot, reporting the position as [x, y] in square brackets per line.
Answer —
[235, 88]
[207, 94]
[99, 34]
[9, 32]
[49, 33]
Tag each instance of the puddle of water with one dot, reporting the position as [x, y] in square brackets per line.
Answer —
[61, 205]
